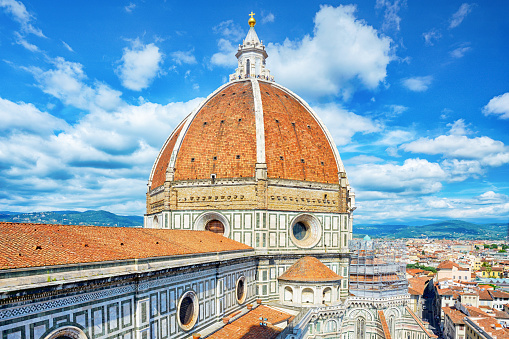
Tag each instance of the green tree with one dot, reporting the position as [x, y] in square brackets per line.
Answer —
[494, 246]
[486, 246]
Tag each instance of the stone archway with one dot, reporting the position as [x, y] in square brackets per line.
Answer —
[68, 332]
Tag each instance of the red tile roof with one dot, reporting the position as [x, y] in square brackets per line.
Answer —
[309, 269]
[420, 323]
[296, 144]
[248, 326]
[491, 326]
[448, 265]
[499, 294]
[385, 327]
[455, 315]
[35, 245]
[418, 284]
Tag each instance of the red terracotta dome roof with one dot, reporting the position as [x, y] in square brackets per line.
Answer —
[244, 123]
[309, 269]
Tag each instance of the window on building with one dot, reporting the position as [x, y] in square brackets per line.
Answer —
[360, 328]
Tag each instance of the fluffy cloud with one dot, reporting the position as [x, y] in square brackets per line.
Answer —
[489, 151]
[66, 81]
[343, 124]
[226, 55]
[181, 57]
[418, 84]
[342, 54]
[103, 158]
[499, 105]
[139, 65]
[27, 118]
[413, 177]
[461, 13]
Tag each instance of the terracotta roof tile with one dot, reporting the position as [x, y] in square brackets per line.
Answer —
[499, 294]
[309, 269]
[455, 315]
[448, 265]
[418, 283]
[34, 245]
[248, 326]
[385, 327]
[491, 326]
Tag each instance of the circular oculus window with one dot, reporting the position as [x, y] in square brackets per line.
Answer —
[240, 290]
[305, 231]
[187, 310]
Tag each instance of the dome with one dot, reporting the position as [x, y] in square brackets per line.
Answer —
[309, 269]
[244, 123]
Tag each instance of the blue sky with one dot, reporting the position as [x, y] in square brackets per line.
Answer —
[415, 94]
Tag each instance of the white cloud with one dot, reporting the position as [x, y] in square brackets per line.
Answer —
[268, 18]
[431, 36]
[418, 84]
[228, 29]
[20, 14]
[67, 83]
[414, 177]
[139, 65]
[396, 137]
[69, 48]
[491, 197]
[461, 13]
[460, 52]
[484, 149]
[104, 157]
[343, 124]
[391, 17]
[26, 117]
[21, 40]
[226, 55]
[181, 57]
[342, 54]
[395, 110]
[498, 105]
[461, 170]
[129, 8]
[459, 128]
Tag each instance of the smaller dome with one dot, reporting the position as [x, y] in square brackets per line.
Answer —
[367, 238]
[309, 269]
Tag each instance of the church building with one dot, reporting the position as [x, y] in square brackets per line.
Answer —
[247, 234]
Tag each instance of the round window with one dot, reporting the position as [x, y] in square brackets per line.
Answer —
[215, 226]
[240, 290]
[188, 310]
[305, 231]
[300, 231]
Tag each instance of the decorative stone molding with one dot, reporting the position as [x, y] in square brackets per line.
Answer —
[72, 332]
[204, 218]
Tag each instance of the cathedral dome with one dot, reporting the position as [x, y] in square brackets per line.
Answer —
[244, 123]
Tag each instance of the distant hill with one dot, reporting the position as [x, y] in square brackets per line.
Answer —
[96, 218]
[448, 229]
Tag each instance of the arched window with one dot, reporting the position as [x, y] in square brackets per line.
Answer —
[288, 294]
[248, 67]
[360, 328]
[331, 326]
[215, 226]
[327, 295]
[391, 326]
[308, 296]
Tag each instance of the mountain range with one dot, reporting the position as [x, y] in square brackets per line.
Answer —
[97, 218]
[447, 229]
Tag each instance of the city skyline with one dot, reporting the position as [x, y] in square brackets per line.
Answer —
[415, 96]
